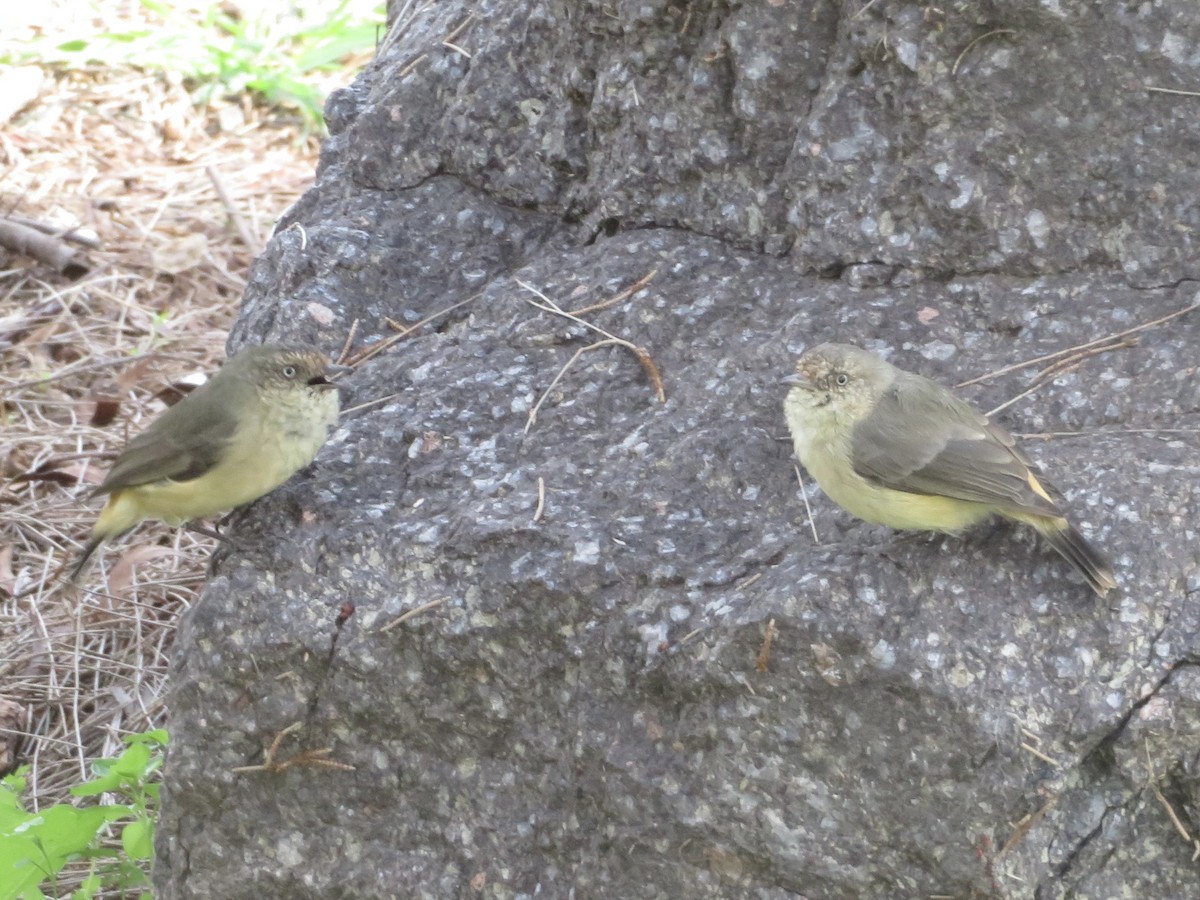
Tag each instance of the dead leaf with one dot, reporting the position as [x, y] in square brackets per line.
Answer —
[120, 577]
[52, 471]
[106, 410]
[175, 391]
[134, 374]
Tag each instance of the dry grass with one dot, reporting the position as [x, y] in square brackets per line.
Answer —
[123, 154]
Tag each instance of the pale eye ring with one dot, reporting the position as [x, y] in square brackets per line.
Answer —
[289, 371]
[842, 379]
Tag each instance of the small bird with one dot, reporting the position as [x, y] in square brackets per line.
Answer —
[897, 449]
[257, 421]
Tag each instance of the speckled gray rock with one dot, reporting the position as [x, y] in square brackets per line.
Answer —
[583, 712]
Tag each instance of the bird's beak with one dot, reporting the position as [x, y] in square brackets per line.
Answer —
[323, 381]
[796, 380]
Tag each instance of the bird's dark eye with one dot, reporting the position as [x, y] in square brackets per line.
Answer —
[842, 379]
[289, 371]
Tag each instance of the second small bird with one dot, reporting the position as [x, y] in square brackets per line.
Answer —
[259, 420]
[900, 450]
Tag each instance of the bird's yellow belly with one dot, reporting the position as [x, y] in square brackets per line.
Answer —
[884, 506]
[260, 458]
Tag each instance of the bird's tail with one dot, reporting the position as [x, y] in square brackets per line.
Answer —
[1070, 543]
[122, 511]
[84, 557]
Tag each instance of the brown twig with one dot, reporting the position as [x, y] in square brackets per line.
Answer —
[1032, 389]
[408, 614]
[404, 331]
[313, 759]
[407, 70]
[742, 585]
[1161, 90]
[808, 509]
[1166, 804]
[459, 29]
[763, 661]
[1069, 350]
[1034, 751]
[249, 240]
[1070, 362]
[1061, 366]
[540, 509]
[349, 340]
[1050, 435]
[1175, 820]
[405, 15]
[73, 371]
[687, 20]
[641, 353]
[532, 419]
[967, 49]
[369, 403]
[618, 297]
[1024, 826]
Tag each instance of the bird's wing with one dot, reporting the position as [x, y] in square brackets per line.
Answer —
[184, 443]
[930, 442]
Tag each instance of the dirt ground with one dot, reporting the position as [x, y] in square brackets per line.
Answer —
[161, 206]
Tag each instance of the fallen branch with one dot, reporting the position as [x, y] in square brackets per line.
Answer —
[44, 248]
[74, 235]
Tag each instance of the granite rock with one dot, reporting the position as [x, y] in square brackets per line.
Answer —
[640, 671]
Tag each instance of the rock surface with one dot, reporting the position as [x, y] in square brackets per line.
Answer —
[590, 706]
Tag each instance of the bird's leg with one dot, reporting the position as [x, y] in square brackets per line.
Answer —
[905, 539]
[223, 540]
[197, 528]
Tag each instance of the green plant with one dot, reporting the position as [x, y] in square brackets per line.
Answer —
[222, 54]
[34, 846]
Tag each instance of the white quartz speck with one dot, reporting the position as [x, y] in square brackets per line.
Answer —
[587, 553]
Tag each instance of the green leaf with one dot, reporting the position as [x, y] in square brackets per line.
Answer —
[129, 769]
[324, 54]
[39, 846]
[88, 888]
[11, 788]
[159, 737]
[138, 839]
